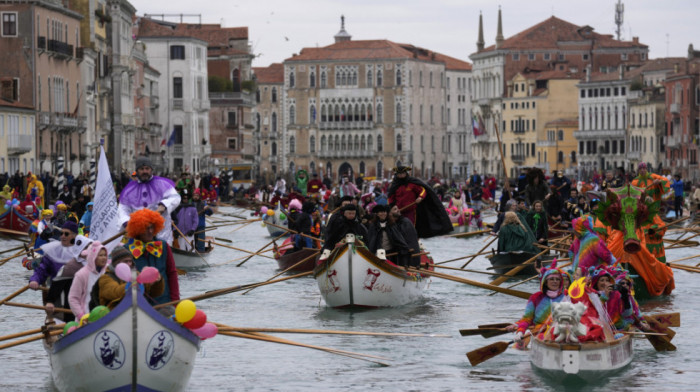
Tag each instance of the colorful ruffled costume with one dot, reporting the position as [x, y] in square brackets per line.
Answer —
[539, 305]
[588, 249]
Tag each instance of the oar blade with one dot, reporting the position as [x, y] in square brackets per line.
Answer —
[493, 333]
[487, 352]
[661, 343]
[497, 325]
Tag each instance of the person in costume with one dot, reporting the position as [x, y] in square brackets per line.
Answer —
[148, 250]
[315, 186]
[631, 314]
[602, 281]
[345, 223]
[419, 203]
[203, 210]
[79, 296]
[539, 305]
[656, 187]
[348, 188]
[536, 188]
[110, 289]
[184, 184]
[514, 236]
[152, 192]
[537, 220]
[302, 180]
[300, 222]
[86, 219]
[588, 249]
[60, 261]
[35, 188]
[385, 233]
[186, 220]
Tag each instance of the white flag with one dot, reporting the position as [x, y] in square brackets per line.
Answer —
[105, 216]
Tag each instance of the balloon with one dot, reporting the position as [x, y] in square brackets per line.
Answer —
[148, 275]
[263, 210]
[8, 203]
[207, 331]
[123, 272]
[84, 320]
[71, 329]
[97, 313]
[282, 216]
[184, 311]
[67, 327]
[270, 212]
[197, 321]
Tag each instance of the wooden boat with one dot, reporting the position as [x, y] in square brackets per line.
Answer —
[190, 259]
[587, 362]
[276, 219]
[15, 220]
[285, 259]
[132, 348]
[354, 277]
[503, 262]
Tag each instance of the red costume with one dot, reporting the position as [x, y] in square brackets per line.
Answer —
[314, 186]
[405, 195]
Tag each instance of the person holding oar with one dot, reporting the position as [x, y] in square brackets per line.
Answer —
[346, 223]
[203, 210]
[539, 305]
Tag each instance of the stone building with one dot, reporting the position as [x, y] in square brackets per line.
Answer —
[358, 107]
[270, 85]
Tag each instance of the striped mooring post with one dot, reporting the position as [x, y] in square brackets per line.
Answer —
[93, 174]
[59, 174]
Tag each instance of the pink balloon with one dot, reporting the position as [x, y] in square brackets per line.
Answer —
[123, 272]
[148, 275]
[263, 210]
[209, 330]
[71, 329]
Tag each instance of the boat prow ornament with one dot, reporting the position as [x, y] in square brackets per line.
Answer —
[350, 238]
[381, 253]
[567, 321]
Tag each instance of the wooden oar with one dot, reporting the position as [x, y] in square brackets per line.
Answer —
[223, 327]
[295, 232]
[463, 257]
[643, 333]
[241, 250]
[661, 343]
[228, 290]
[458, 269]
[480, 331]
[515, 293]
[487, 352]
[16, 293]
[481, 250]
[27, 340]
[192, 248]
[286, 270]
[684, 267]
[265, 246]
[468, 233]
[266, 338]
[517, 269]
[38, 307]
[12, 249]
[13, 232]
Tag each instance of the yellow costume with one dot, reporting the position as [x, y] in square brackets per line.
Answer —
[36, 185]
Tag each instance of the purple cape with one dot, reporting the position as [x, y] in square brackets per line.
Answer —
[139, 194]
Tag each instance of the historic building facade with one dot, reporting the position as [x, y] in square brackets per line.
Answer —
[267, 120]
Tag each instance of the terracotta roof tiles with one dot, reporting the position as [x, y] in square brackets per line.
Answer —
[213, 34]
[272, 74]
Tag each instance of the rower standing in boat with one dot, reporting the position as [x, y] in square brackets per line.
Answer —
[514, 236]
[152, 192]
[186, 220]
[300, 222]
[203, 210]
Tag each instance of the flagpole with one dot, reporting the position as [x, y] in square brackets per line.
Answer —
[500, 151]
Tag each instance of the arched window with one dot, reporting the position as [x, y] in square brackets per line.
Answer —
[343, 144]
[312, 79]
[324, 115]
[370, 144]
[380, 169]
[257, 95]
[363, 143]
[573, 156]
[370, 82]
[274, 94]
[292, 145]
[354, 78]
[357, 144]
[356, 112]
[398, 76]
[363, 113]
[292, 114]
[380, 146]
[236, 79]
[274, 122]
[560, 135]
[560, 157]
[379, 78]
[398, 143]
[257, 121]
[312, 167]
[337, 143]
[312, 144]
[349, 114]
[362, 167]
[370, 117]
[336, 116]
[323, 79]
[312, 114]
[291, 79]
[398, 113]
[273, 149]
[343, 79]
[583, 119]
[380, 114]
[324, 145]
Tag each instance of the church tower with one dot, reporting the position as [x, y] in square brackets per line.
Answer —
[342, 34]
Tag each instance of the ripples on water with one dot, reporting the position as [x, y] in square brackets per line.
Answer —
[417, 364]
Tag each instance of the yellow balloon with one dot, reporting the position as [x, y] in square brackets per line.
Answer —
[270, 212]
[83, 320]
[184, 311]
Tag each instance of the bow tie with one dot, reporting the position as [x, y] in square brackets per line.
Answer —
[138, 248]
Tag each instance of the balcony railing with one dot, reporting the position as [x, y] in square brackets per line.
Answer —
[675, 108]
[60, 48]
[634, 155]
[518, 158]
[242, 97]
[333, 125]
[599, 134]
[176, 104]
[483, 139]
[18, 144]
[672, 141]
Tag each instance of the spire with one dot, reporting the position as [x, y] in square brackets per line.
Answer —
[342, 34]
[480, 41]
[499, 32]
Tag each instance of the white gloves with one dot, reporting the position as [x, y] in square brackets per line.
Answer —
[518, 337]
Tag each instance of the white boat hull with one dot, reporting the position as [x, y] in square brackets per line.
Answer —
[276, 220]
[189, 260]
[353, 277]
[103, 356]
[588, 362]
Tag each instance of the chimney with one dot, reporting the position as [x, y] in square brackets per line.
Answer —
[635, 40]
[588, 73]
[675, 68]
[480, 41]
[499, 31]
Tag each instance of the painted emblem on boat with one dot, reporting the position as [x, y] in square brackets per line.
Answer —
[333, 280]
[109, 350]
[371, 278]
[159, 350]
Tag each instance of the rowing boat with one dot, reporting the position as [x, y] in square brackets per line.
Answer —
[286, 258]
[352, 276]
[15, 220]
[132, 348]
[587, 362]
[191, 259]
[276, 220]
[501, 263]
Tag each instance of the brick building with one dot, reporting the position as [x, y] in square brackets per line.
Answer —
[270, 85]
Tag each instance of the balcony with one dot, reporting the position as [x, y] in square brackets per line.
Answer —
[634, 155]
[18, 144]
[176, 104]
[61, 121]
[41, 43]
[229, 97]
[336, 125]
[178, 149]
[483, 139]
[675, 108]
[61, 49]
[155, 102]
[44, 119]
[200, 105]
[673, 141]
[518, 158]
[233, 125]
[599, 134]
[79, 52]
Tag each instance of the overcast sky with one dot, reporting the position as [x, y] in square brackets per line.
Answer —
[279, 28]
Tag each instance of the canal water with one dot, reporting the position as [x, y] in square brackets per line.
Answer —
[417, 364]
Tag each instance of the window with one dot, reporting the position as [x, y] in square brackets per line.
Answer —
[531, 57]
[177, 52]
[561, 57]
[560, 135]
[547, 56]
[398, 143]
[312, 114]
[312, 144]
[431, 79]
[324, 79]
[178, 134]
[274, 94]
[398, 75]
[291, 79]
[585, 57]
[273, 149]
[398, 113]
[257, 96]
[369, 78]
[232, 119]
[292, 114]
[431, 115]
[312, 79]
[232, 143]
[274, 122]
[379, 78]
[177, 87]
[292, 146]
[516, 56]
[9, 24]
[623, 56]
[560, 157]
[380, 145]
[380, 114]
